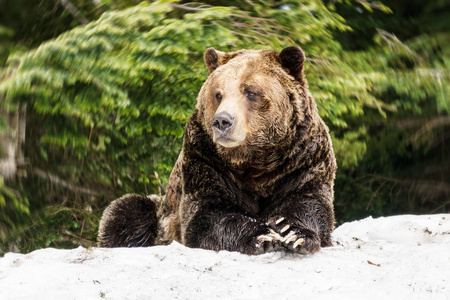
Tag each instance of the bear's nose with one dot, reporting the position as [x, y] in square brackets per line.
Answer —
[223, 122]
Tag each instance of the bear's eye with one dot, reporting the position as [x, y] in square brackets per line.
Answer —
[250, 95]
[218, 97]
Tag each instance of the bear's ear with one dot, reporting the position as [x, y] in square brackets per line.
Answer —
[214, 58]
[292, 58]
[211, 59]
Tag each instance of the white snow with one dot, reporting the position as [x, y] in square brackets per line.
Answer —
[402, 257]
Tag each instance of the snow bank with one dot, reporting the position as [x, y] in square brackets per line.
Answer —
[402, 257]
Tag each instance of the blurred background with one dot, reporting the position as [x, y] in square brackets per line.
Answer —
[94, 95]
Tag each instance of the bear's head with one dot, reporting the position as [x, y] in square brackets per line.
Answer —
[253, 99]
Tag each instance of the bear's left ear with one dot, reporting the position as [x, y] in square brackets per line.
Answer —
[292, 58]
[214, 58]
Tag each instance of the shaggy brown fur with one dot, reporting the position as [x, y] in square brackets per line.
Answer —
[257, 167]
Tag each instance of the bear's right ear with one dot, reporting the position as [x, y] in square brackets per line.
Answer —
[211, 59]
[214, 58]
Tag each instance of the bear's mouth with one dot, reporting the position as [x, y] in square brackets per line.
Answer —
[227, 142]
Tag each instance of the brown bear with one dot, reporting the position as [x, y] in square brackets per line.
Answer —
[256, 171]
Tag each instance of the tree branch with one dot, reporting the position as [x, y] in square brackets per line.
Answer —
[56, 180]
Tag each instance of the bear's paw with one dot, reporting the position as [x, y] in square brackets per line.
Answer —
[293, 236]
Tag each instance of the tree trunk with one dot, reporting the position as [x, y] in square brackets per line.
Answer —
[11, 142]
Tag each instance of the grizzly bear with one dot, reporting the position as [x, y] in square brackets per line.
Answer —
[256, 171]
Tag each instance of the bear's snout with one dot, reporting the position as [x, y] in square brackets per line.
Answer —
[222, 123]
[228, 130]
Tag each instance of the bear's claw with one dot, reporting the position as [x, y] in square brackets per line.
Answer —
[298, 242]
[279, 220]
[272, 236]
[285, 228]
[292, 238]
[268, 242]
[274, 241]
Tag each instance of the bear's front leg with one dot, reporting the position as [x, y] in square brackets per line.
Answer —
[226, 229]
[212, 215]
[212, 220]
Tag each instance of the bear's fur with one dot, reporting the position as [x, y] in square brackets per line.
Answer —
[256, 171]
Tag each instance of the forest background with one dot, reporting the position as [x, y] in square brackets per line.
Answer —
[94, 95]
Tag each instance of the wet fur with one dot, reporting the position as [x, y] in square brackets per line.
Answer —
[224, 198]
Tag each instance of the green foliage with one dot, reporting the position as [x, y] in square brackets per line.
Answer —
[405, 168]
[57, 227]
[35, 21]
[14, 208]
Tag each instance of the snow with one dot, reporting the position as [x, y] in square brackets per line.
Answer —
[401, 257]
